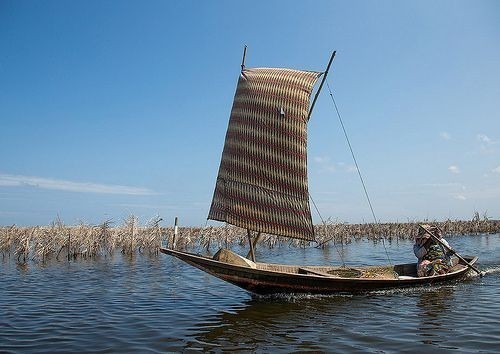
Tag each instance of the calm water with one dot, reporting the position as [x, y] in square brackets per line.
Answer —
[158, 304]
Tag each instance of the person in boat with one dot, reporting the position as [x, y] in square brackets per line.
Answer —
[433, 258]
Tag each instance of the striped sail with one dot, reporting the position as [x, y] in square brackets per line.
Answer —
[262, 180]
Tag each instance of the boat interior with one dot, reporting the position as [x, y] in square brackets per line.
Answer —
[399, 271]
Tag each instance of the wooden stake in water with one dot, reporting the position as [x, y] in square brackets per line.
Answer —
[176, 230]
[69, 245]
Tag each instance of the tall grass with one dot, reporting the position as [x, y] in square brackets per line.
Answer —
[59, 241]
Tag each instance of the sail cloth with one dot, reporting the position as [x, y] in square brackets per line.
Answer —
[262, 180]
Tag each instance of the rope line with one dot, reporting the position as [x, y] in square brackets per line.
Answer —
[331, 238]
[357, 166]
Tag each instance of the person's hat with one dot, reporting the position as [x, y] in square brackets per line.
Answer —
[423, 230]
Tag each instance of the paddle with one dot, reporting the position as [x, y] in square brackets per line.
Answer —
[437, 239]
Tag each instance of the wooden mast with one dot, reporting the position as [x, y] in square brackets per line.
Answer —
[244, 57]
[254, 243]
[252, 253]
[320, 85]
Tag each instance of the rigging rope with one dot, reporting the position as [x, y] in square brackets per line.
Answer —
[357, 167]
[331, 238]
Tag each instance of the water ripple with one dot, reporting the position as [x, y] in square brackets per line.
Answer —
[158, 304]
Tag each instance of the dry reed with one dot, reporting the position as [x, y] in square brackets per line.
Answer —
[59, 241]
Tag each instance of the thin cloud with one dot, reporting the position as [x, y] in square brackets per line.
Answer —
[325, 164]
[445, 135]
[454, 169]
[70, 186]
[321, 159]
[143, 206]
[444, 185]
[455, 190]
[351, 169]
[484, 139]
[496, 170]
[487, 145]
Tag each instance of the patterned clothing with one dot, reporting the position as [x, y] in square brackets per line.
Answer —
[428, 268]
[433, 259]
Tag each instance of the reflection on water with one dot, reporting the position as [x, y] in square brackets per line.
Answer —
[433, 306]
[159, 304]
[261, 322]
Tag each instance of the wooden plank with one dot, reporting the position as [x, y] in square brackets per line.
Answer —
[314, 271]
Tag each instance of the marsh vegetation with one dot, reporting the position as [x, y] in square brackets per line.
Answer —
[64, 242]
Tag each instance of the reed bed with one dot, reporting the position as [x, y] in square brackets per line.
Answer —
[65, 242]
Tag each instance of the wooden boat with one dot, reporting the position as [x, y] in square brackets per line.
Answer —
[268, 278]
[262, 187]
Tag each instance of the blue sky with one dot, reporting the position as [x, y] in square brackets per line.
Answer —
[111, 108]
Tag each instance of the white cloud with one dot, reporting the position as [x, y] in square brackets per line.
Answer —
[69, 186]
[455, 190]
[445, 135]
[321, 159]
[484, 139]
[351, 168]
[325, 164]
[496, 170]
[444, 185]
[454, 169]
[487, 146]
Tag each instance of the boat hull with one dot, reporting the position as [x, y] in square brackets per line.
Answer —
[264, 281]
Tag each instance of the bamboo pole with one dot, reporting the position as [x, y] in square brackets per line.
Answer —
[244, 57]
[321, 85]
[254, 242]
[252, 253]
